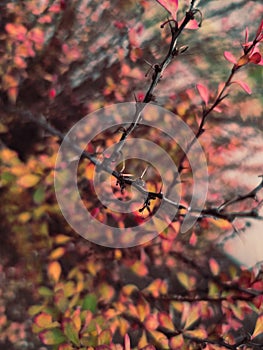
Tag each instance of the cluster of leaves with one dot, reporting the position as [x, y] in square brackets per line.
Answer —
[177, 292]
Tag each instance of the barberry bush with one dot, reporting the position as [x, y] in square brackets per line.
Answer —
[199, 288]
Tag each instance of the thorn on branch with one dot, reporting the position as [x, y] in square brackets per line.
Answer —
[146, 205]
[170, 21]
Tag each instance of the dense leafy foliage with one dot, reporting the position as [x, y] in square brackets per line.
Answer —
[62, 60]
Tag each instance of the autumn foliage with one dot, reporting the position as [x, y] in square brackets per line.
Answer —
[200, 289]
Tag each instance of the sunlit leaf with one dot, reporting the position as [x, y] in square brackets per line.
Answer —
[28, 180]
[43, 320]
[128, 289]
[165, 321]
[191, 315]
[61, 239]
[197, 333]
[258, 327]
[171, 6]
[143, 308]
[54, 271]
[139, 268]
[57, 253]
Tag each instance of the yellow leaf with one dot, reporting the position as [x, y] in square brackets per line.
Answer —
[185, 280]
[165, 321]
[24, 217]
[129, 289]
[28, 180]
[61, 239]
[143, 308]
[54, 271]
[197, 333]
[192, 314]
[258, 327]
[57, 253]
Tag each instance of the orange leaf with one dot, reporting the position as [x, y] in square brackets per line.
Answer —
[17, 31]
[43, 320]
[57, 253]
[28, 180]
[258, 327]
[139, 268]
[214, 266]
[54, 271]
[151, 322]
[12, 94]
[61, 239]
[176, 342]
[197, 333]
[165, 321]
[143, 308]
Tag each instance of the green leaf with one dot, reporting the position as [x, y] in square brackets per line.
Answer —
[45, 292]
[35, 309]
[105, 337]
[52, 336]
[90, 303]
[70, 331]
[39, 195]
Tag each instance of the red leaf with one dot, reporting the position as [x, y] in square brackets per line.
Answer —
[255, 58]
[204, 92]
[170, 5]
[17, 31]
[244, 86]
[127, 342]
[193, 239]
[259, 35]
[229, 57]
[193, 24]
